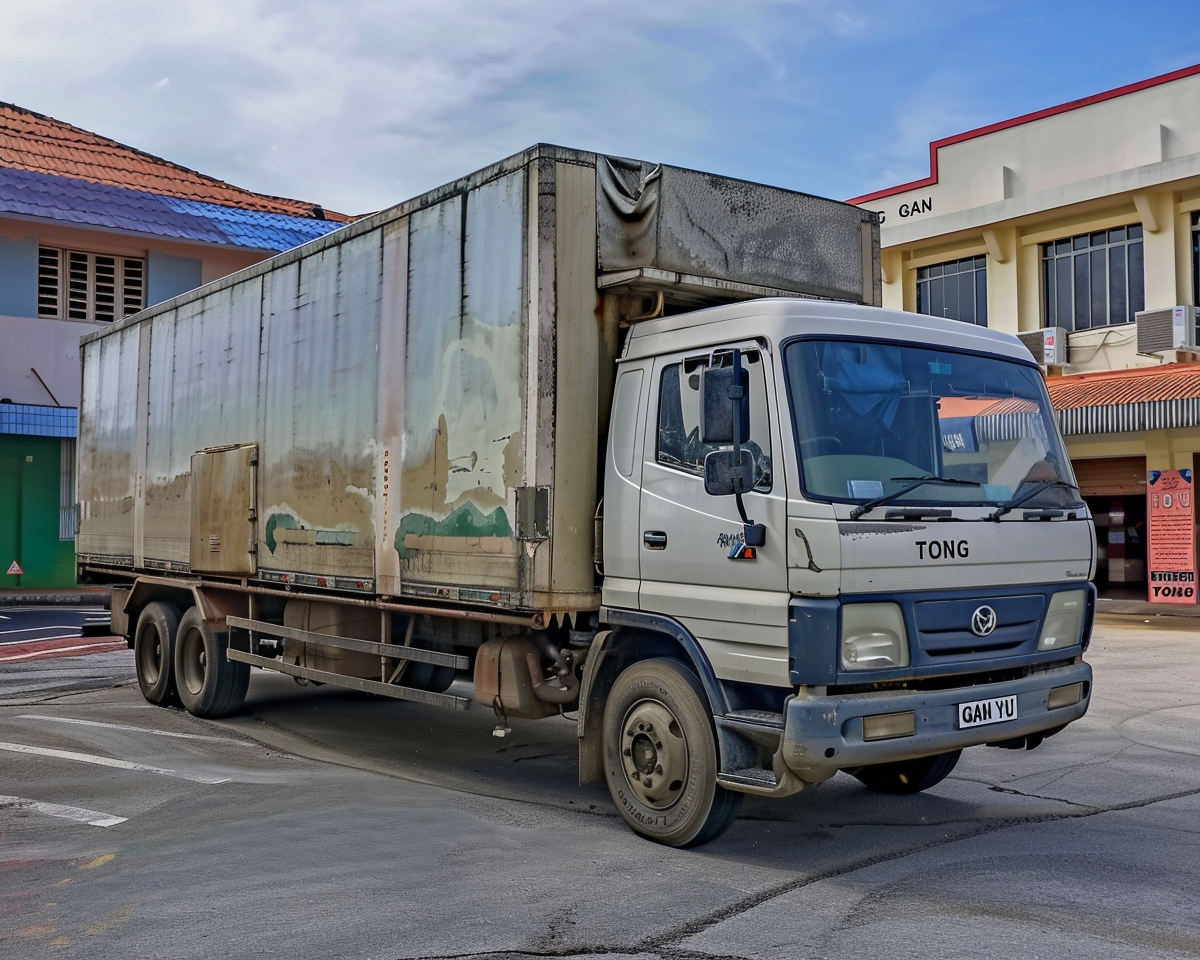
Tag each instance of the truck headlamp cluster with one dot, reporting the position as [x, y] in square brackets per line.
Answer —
[873, 637]
[1064, 621]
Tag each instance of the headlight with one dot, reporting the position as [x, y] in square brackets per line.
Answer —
[1064, 620]
[873, 636]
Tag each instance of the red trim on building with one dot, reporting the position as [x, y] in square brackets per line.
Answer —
[937, 145]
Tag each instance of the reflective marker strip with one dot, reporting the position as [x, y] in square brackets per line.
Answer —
[108, 762]
[78, 814]
[122, 726]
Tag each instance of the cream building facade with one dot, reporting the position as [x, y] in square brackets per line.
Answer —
[1065, 225]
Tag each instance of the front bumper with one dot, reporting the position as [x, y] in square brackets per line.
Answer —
[823, 735]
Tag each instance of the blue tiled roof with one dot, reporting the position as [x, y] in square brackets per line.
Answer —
[51, 197]
[35, 421]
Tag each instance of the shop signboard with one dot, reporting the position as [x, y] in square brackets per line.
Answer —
[1172, 537]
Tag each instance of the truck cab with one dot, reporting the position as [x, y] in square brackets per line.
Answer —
[904, 573]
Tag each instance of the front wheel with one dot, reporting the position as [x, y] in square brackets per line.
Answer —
[660, 756]
[210, 685]
[908, 776]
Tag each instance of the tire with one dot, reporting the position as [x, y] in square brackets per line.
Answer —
[154, 651]
[209, 684]
[683, 805]
[908, 776]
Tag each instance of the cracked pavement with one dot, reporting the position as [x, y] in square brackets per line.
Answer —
[346, 826]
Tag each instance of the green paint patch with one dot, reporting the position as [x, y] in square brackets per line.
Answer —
[279, 521]
[466, 521]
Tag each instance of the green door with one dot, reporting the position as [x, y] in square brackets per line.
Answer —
[30, 484]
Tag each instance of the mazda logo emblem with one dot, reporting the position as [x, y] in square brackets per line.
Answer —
[983, 621]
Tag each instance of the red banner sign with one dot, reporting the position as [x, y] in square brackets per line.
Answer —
[1171, 572]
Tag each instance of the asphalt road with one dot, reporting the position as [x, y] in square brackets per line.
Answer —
[325, 824]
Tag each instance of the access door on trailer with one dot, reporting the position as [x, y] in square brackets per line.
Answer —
[694, 564]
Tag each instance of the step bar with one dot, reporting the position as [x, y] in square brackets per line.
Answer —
[256, 629]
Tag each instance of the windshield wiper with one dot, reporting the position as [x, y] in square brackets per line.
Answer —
[908, 488]
[1038, 487]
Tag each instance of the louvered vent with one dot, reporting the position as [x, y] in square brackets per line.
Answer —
[1171, 328]
[1048, 346]
[49, 281]
[74, 285]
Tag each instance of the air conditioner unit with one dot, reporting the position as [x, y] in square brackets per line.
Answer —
[1048, 346]
[1171, 328]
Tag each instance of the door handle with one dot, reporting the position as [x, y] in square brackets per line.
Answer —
[655, 540]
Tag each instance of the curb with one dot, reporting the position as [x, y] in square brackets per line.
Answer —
[1134, 608]
[91, 596]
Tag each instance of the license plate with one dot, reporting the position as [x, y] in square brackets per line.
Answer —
[979, 713]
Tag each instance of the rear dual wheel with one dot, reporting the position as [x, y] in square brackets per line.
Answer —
[154, 651]
[660, 756]
[209, 684]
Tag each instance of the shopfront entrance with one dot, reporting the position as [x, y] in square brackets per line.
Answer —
[1114, 488]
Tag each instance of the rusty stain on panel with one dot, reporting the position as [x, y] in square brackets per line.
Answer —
[464, 395]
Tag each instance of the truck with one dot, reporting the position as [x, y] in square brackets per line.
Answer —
[585, 436]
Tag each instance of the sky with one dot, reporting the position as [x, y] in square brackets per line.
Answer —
[360, 104]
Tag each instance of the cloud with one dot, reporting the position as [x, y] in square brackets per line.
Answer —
[368, 102]
[364, 103]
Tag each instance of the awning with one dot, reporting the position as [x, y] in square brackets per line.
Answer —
[1127, 401]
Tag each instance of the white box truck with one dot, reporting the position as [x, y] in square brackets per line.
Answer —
[585, 435]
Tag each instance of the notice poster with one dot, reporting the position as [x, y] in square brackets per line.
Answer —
[1172, 537]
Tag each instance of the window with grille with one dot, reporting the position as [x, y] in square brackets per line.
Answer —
[66, 490]
[73, 285]
[1196, 258]
[1094, 279]
[956, 289]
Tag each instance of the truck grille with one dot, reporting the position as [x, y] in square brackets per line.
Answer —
[944, 626]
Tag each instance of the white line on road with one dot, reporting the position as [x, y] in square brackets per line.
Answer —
[108, 762]
[55, 609]
[122, 726]
[78, 814]
[56, 626]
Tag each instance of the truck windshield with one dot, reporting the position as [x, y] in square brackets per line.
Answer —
[871, 419]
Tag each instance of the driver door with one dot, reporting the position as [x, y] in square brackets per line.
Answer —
[694, 565]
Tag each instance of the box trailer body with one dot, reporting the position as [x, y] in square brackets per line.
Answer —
[425, 391]
[460, 437]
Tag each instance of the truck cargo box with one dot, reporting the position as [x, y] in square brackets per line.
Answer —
[414, 405]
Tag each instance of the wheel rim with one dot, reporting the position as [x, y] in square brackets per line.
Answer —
[150, 653]
[192, 660]
[654, 754]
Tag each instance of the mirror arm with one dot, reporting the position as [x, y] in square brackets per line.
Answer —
[735, 395]
[755, 533]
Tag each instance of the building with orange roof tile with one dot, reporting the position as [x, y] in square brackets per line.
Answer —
[92, 230]
[1077, 228]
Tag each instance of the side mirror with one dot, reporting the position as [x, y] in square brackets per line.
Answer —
[727, 472]
[725, 403]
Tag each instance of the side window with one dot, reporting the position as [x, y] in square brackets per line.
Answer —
[679, 445]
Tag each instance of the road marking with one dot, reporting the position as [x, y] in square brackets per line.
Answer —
[46, 652]
[122, 726]
[59, 608]
[78, 814]
[108, 762]
[53, 626]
